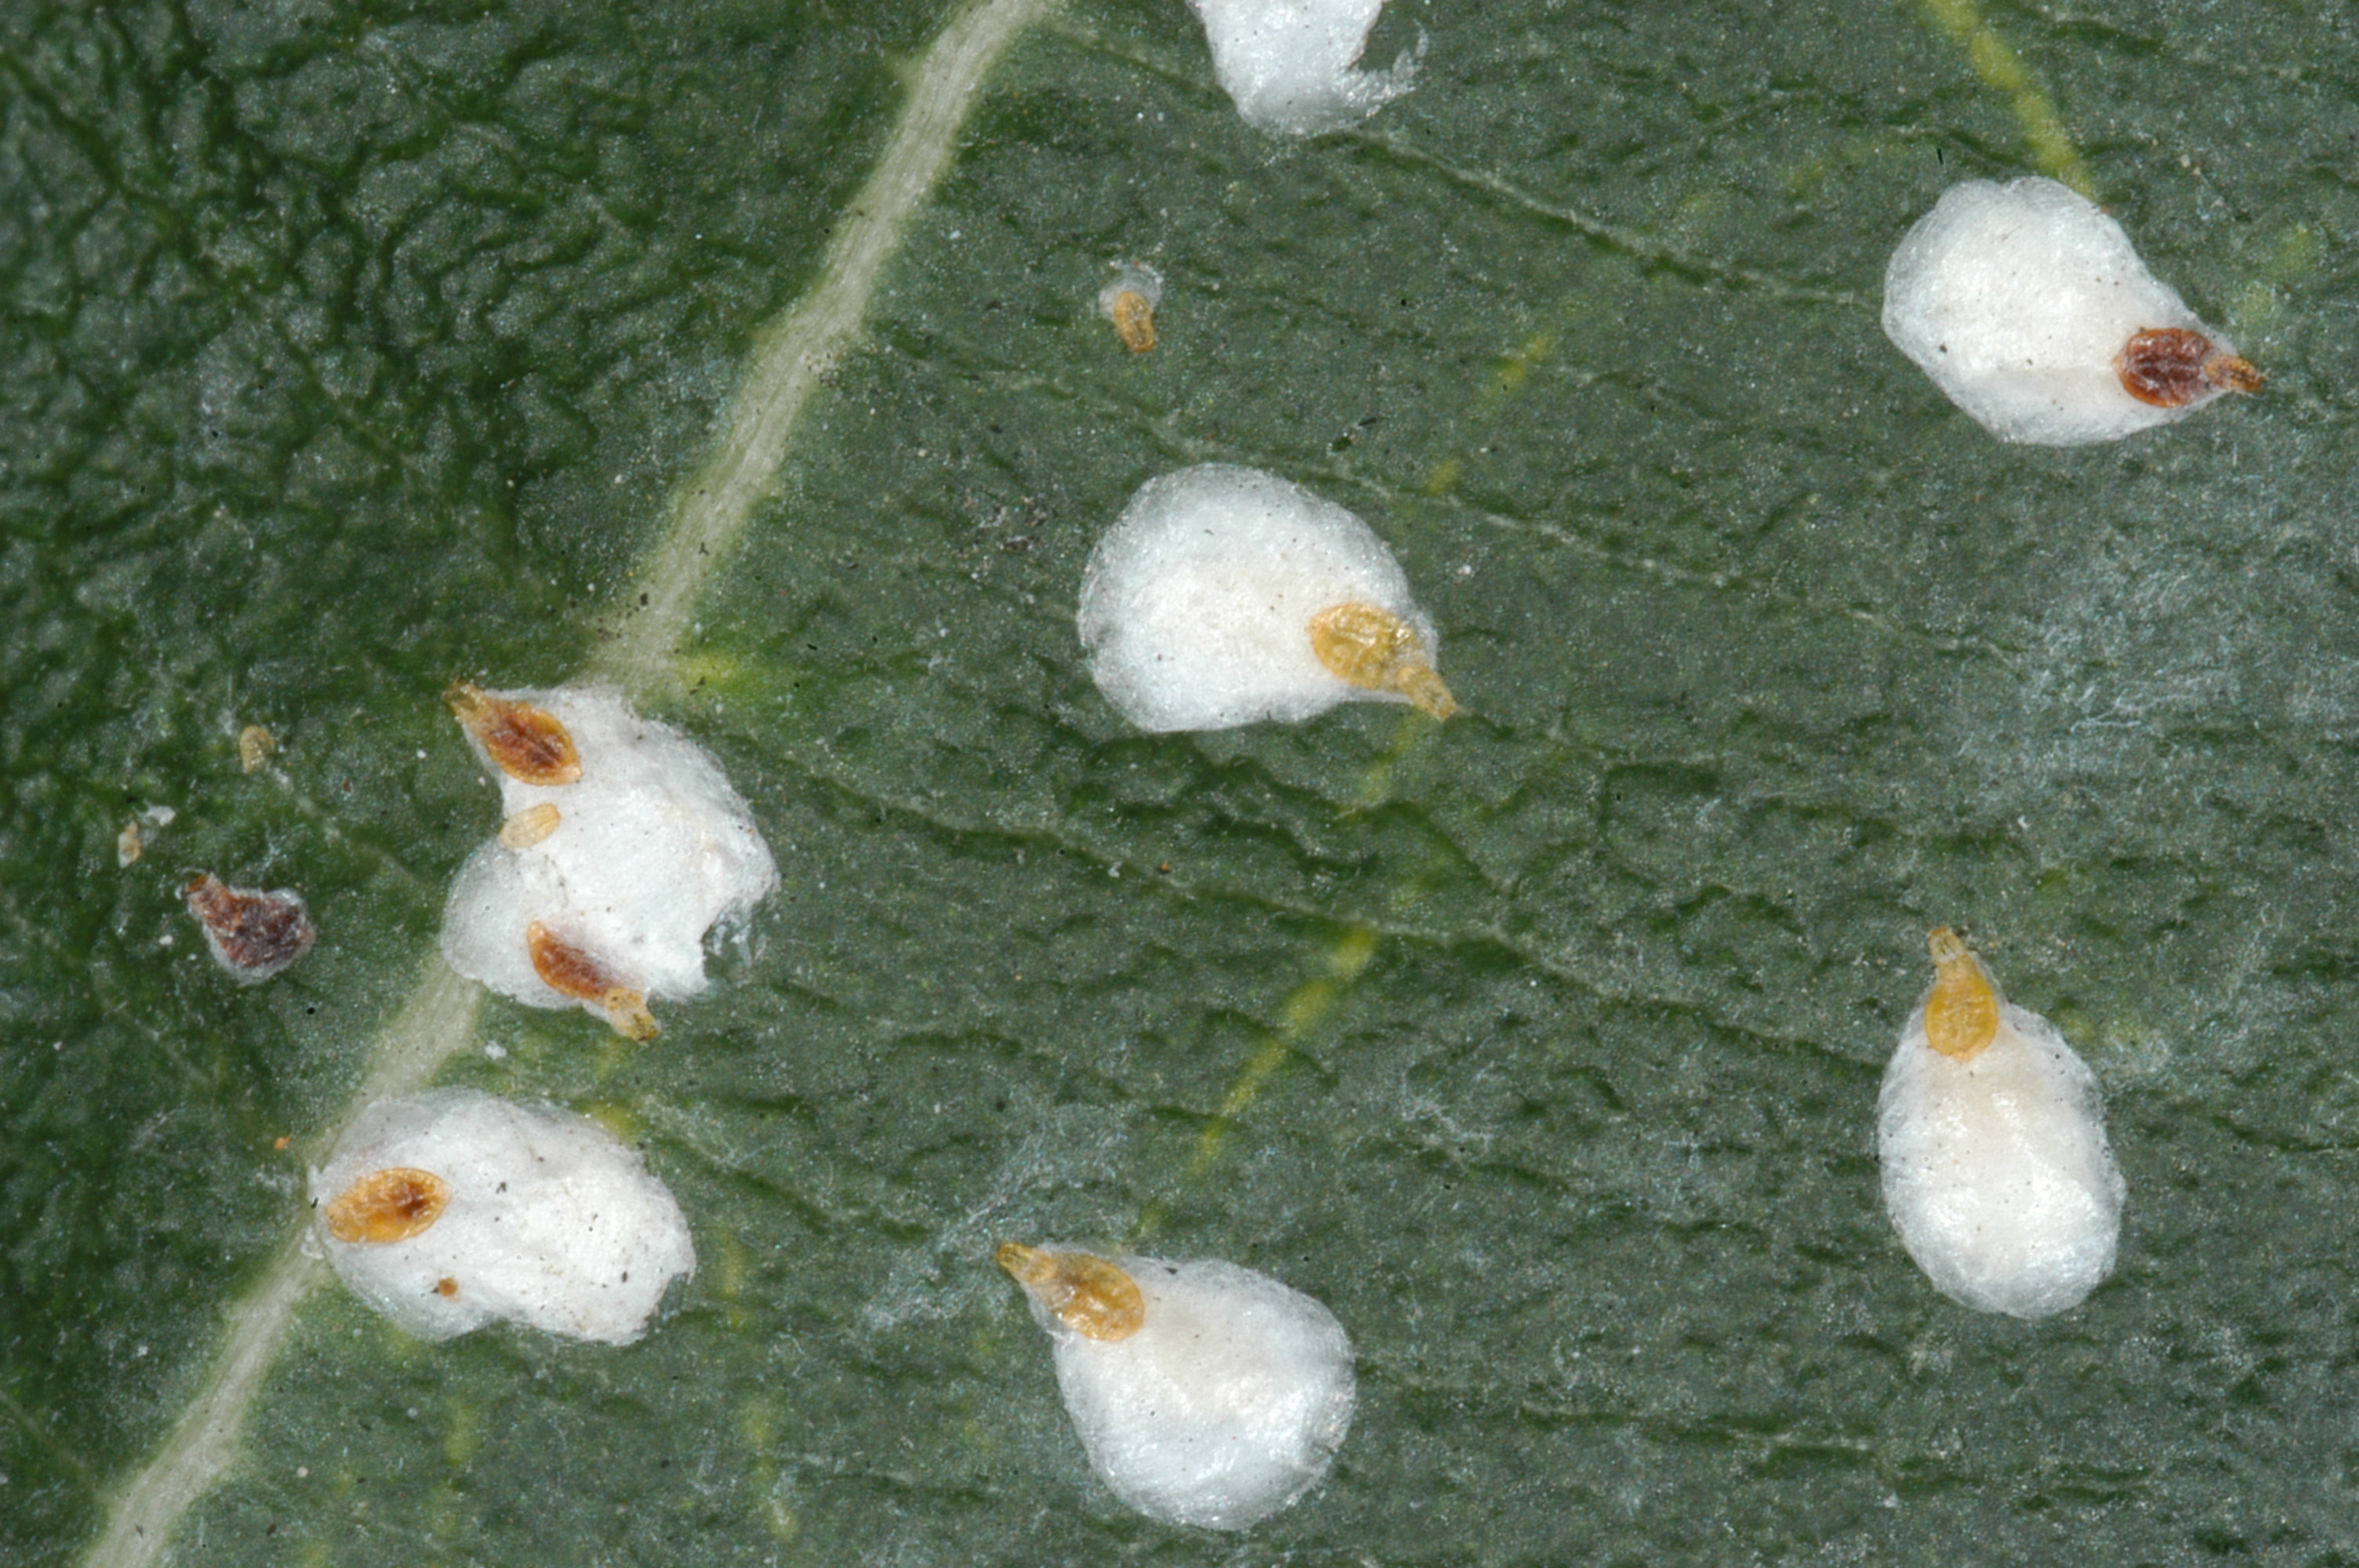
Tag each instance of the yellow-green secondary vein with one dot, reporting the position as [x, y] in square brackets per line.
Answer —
[2002, 70]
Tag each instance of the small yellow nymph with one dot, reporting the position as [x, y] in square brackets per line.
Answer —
[531, 825]
[1129, 302]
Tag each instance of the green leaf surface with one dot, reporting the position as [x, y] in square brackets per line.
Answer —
[349, 350]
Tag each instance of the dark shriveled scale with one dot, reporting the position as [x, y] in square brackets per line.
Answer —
[2170, 367]
[253, 934]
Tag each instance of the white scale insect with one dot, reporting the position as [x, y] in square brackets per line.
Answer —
[2031, 310]
[1204, 1393]
[624, 844]
[1289, 64]
[1224, 596]
[1992, 1138]
[453, 1208]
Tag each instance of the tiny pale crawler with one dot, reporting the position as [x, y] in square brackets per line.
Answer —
[1990, 1134]
[1129, 302]
[2030, 309]
[1290, 65]
[1204, 1393]
[622, 845]
[1225, 596]
[452, 1209]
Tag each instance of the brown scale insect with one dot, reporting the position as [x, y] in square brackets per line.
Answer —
[1377, 651]
[391, 1204]
[525, 742]
[446, 1287]
[253, 934]
[1087, 1294]
[2170, 367]
[569, 971]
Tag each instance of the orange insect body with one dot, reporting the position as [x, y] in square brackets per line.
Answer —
[1962, 1015]
[2170, 367]
[1133, 320]
[1377, 651]
[446, 1287]
[569, 971]
[1087, 1294]
[392, 1205]
[527, 743]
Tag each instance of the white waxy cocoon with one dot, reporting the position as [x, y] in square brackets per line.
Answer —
[1288, 63]
[2019, 301]
[651, 849]
[1196, 607]
[1225, 1404]
[1997, 1170]
[549, 1221]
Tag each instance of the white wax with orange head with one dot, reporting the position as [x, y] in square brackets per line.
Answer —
[621, 845]
[453, 1208]
[1204, 1393]
[1290, 65]
[1225, 596]
[2030, 309]
[1991, 1138]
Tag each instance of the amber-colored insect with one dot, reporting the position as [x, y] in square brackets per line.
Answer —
[1133, 320]
[391, 1204]
[526, 743]
[531, 825]
[2170, 367]
[255, 746]
[1377, 651]
[1961, 1014]
[1087, 1294]
[446, 1287]
[254, 933]
[569, 971]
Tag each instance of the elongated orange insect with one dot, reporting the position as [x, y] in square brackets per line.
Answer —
[569, 970]
[1087, 1294]
[1377, 651]
[1962, 1015]
[391, 1204]
[527, 743]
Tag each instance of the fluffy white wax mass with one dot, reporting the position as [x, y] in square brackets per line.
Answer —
[1996, 1170]
[1223, 596]
[622, 846]
[1288, 63]
[1204, 1393]
[451, 1209]
[2029, 309]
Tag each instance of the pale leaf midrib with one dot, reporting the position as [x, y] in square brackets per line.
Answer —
[706, 521]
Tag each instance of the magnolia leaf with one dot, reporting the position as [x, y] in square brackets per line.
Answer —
[354, 351]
